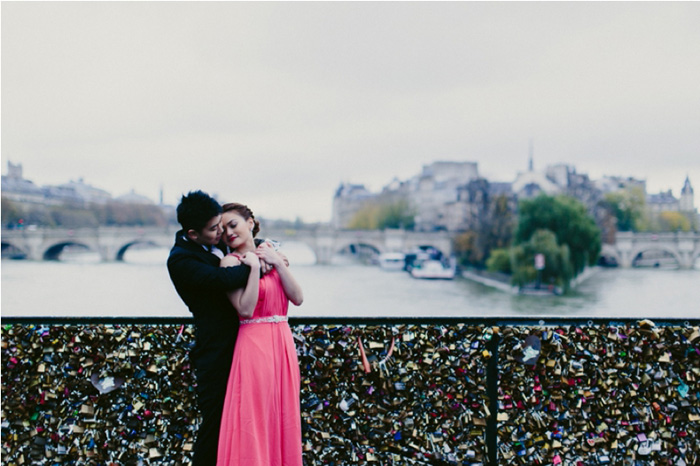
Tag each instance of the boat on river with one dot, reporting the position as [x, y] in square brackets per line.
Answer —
[392, 261]
[434, 269]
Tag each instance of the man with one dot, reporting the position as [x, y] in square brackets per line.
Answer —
[194, 269]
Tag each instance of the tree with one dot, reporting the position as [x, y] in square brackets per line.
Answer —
[558, 269]
[381, 215]
[466, 248]
[674, 221]
[491, 229]
[68, 215]
[397, 214]
[11, 212]
[499, 261]
[502, 222]
[628, 206]
[367, 218]
[568, 219]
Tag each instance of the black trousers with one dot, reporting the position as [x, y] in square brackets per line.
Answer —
[211, 392]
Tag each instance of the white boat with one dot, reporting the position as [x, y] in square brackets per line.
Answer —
[433, 269]
[392, 261]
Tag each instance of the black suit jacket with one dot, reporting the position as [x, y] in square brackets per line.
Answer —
[202, 285]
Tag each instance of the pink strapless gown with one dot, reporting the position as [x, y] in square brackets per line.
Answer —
[261, 422]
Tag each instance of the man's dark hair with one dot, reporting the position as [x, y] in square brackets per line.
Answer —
[196, 209]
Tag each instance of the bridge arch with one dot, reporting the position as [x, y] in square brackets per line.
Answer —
[119, 256]
[609, 256]
[12, 251]
[363, 251]
[639, 251]
[53, 253]
[354, 246]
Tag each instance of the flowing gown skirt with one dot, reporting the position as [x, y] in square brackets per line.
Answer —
[261, 423]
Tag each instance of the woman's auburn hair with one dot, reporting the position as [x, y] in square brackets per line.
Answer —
[244, 211]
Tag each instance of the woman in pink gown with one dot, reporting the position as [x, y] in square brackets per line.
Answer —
[261, 422]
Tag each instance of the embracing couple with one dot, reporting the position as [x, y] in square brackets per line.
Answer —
[238, 289]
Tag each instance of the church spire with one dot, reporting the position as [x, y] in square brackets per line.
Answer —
[531, 164]
[686, 186]
[687, 202]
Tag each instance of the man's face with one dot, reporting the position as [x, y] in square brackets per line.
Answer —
[210, 234]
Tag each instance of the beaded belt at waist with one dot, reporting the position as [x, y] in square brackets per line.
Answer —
[265, 320]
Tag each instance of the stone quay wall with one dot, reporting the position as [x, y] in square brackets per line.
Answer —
[374, 391]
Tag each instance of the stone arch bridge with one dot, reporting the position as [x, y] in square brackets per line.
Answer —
[111, 243]
[684, 247]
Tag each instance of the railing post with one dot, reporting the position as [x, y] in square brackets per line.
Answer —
[492, 393]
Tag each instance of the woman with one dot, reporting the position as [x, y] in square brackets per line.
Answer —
[261, 422]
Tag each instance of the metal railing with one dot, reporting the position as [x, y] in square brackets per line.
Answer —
[447, 390]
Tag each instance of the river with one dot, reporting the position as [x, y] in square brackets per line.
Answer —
[140, 286]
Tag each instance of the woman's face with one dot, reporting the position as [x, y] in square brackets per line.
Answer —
[237, 230]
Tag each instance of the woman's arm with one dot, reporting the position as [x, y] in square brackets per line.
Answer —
[245, 299]
[289, 283]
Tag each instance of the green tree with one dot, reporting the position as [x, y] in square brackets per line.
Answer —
[628, 206]
[568, 219]
[558, 269]
[397, 214]
[499, 261]
[381, 215]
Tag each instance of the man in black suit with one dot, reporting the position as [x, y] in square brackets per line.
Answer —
[194, 269]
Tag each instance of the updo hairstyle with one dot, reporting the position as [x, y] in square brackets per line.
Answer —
[244, 212]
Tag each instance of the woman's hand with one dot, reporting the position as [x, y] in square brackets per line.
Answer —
[251, 259]
[267, 254]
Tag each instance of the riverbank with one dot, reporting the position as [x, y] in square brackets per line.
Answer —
[490, 280]
[502, 281]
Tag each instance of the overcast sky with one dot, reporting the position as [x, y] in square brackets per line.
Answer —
[276, 104]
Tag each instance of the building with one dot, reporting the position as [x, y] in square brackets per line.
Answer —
[88, 194]
[347, 201]
[433, 194]
[609, 184]
[664, 201]
[18, 189]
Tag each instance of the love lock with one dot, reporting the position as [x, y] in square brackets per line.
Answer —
[530, 351]
[647, 446]
[106, 384]
[382, 363]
